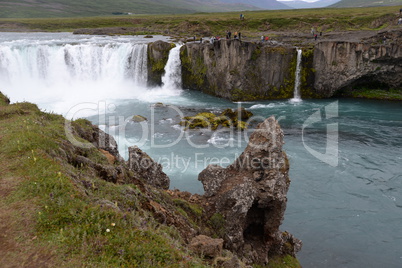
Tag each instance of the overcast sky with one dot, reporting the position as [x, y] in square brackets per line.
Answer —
[302, 0]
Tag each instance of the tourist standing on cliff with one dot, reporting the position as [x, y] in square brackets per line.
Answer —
[400, 21]
[239, 35]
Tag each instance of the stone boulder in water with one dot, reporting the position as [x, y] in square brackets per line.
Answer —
[250, 194]
[228, 118]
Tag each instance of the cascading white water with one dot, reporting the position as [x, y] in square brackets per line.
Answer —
[84, 62]
[296, 92]
[58, 75]
[172, 77]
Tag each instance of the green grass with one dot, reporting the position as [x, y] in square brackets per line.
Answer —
[80, 8]
[379, 94]
[83, 220]
[367, 3]
[217, 23]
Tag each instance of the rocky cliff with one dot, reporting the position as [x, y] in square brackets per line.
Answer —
[157, 55]
[254, 70]
[250, 194]
[239, 70]
[343, 65]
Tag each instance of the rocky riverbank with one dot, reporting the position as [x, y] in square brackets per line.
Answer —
[82, 204]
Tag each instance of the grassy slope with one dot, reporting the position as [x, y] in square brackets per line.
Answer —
[54, 214]
[217, 23]
[74, 8]
[49, 219]
[367, 3]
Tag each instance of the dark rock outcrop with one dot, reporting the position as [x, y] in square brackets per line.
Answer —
[158, 54]
[147, 168]
[250, 71]
[239, 70]
[341, 65]
[250, 194]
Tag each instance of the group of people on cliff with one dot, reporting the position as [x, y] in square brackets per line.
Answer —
[236, 35]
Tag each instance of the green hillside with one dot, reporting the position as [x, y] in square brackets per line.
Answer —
[367, 3]
[84, 8]
[184, 25]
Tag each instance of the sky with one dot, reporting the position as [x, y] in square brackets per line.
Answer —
[310, 1]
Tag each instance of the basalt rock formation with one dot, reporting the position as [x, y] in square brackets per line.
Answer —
[343, 65]
[158, 54]
[239, 70]
[147, 168]
[250, 195]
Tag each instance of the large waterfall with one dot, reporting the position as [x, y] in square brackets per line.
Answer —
[57, 73]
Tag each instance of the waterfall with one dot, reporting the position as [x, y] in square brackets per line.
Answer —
[172, 76]
[55, 74]
[296, 92]
[69, 62]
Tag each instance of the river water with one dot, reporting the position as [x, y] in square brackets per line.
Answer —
[345, 198]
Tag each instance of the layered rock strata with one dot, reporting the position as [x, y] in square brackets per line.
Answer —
[239, 70]
[250, 194]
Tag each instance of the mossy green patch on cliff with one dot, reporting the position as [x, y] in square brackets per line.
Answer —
[282, 262]
[192, 212]
[156, 64]
[238, 94]
[193, 70]
[256, 54]
[4, 100]
[217, 222]
[378, 94]
[307, 75]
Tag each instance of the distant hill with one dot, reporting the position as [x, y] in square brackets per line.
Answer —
[367, 3]
[263, 4]
[304, 4]
[83, 8]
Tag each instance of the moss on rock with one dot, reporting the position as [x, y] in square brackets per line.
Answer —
[158, 54]
[139, 118]
[4, 100]
[228, 118]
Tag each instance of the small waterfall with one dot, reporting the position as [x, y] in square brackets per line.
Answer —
[172, 77]
[296, 92]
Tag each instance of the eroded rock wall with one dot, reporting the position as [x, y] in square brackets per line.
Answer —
[239, 70]
[157, 55]
[253, 71]
[250, 194]
[339, 65]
